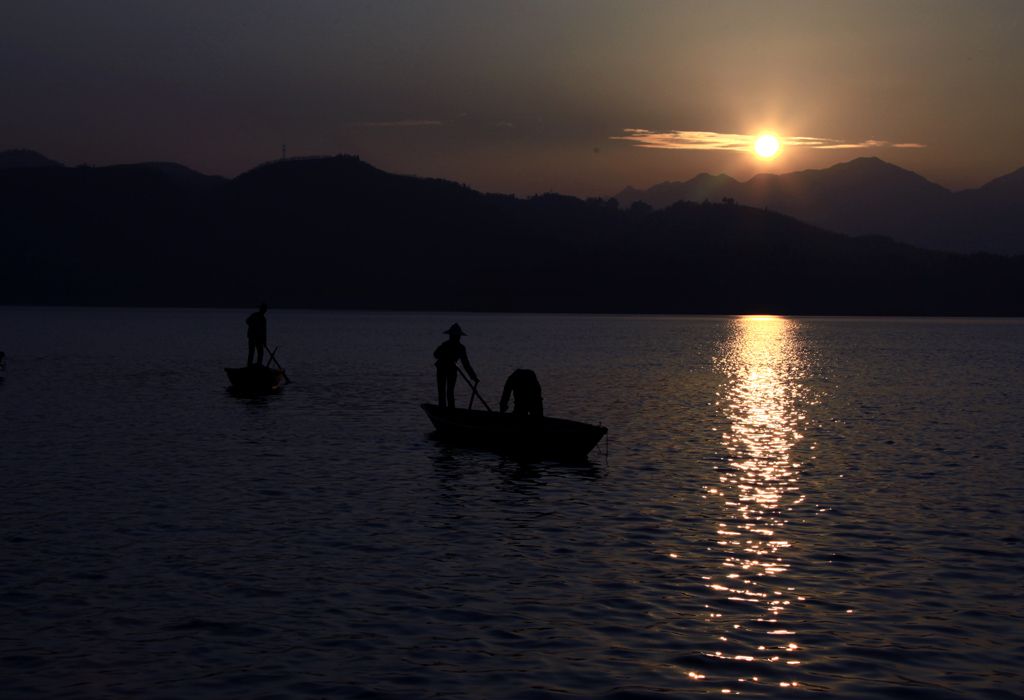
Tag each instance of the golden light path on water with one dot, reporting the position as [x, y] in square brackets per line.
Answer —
[759, 484]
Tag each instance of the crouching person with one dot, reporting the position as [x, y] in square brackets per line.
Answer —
[523, 387]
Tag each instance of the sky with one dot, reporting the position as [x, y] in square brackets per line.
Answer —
[579, 97]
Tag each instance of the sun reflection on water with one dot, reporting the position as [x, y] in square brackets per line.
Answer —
[759, 484]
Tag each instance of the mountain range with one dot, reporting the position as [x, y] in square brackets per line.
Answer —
[868, 196]
[335, 232]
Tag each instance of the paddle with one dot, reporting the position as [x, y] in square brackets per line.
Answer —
[475, 392]
[286, 379]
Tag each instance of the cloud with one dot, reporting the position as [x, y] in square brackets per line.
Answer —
[811, 142]
[713, 141]
[691, 140]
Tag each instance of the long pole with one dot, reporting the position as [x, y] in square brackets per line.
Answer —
[473, 387]
[286, 379]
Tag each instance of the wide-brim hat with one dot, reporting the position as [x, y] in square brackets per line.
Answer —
[454, 330]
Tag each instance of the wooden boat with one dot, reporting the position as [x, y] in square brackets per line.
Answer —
[554, 438]
[255, 378]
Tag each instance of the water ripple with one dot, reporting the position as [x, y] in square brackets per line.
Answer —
[784, 506]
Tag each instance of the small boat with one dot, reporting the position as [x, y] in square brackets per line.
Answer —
[554, 438]
[255, 378]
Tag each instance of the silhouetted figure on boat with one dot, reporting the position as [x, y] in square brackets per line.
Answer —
[448, 355]
[257, 323]
[523, 387]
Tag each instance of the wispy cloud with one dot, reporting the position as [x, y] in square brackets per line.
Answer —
[692, 140]
[812, 142]
[713, 141]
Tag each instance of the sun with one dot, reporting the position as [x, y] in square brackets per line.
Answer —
[766, 146]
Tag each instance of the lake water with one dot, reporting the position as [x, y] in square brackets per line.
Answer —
[783, 507]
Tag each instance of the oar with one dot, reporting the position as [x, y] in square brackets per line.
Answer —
[475, 392]
[286, 379]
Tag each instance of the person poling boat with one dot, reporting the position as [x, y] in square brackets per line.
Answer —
[255, 377]
[257, 334]
[448, 355]
[526, 431]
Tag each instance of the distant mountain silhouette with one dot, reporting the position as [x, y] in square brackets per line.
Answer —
[188, 179]
[1005, 190]
[868, 196]
[23, 158]
[336, 232]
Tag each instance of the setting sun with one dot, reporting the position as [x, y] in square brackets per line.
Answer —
[766, 146]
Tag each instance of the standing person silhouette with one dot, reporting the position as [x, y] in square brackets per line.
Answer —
[448, 354]
[257, 335]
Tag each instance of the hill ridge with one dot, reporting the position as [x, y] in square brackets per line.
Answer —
[869, 196]
[335, 232]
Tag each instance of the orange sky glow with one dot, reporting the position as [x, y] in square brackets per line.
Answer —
[582, 98]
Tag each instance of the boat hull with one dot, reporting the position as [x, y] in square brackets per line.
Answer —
[553, 438]
[255, 378]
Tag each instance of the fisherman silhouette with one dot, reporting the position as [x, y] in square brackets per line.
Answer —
[448, 354]
[257, 335]
[523, 387]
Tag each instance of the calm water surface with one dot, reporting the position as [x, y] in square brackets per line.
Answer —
[783, 508]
